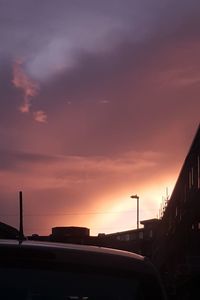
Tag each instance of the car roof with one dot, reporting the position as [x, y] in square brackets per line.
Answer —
[41, 253]
[65, 257]
[76, 258]
[70, 247]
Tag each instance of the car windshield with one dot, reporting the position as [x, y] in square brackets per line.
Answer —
[26, 283]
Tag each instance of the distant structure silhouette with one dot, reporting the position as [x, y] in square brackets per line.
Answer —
[8, 232]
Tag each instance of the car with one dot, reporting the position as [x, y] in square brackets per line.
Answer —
[45, 270]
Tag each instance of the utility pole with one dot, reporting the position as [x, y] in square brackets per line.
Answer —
[21, 231]
[137, 197]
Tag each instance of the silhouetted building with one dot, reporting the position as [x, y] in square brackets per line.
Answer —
[69, 234]
[138, 240]
[8, 232]
[177, 247]
[72, 231]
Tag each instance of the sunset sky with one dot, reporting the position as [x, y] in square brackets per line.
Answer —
[99, 100]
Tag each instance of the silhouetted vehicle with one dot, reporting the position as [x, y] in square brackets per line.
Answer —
[39, 270]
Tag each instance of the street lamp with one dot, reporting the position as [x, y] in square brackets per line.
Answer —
[137, 197]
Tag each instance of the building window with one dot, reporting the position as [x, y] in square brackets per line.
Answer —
[192, 176]
[122, 238]
[127, 237]
[133, 236]
[151, 233]
[198, 173]
[189, 180]
[141, 235]
[176, 211]
[185, 193]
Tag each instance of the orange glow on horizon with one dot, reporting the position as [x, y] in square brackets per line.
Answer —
[120, 211]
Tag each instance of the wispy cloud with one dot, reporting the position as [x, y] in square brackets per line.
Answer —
[23, 82]
[178, 78]
[29, 88]
[40, 116]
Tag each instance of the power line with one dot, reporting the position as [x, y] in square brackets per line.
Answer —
[73, 214]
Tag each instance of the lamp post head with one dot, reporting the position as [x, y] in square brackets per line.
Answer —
[135, 197]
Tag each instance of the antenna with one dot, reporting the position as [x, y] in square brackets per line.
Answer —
[167, 194]
[21, 232]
